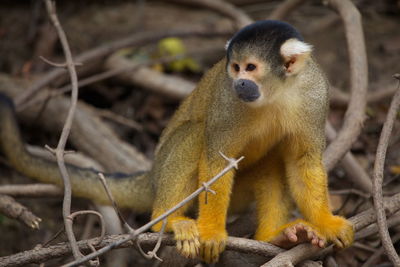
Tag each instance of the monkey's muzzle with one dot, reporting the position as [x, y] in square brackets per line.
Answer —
[246, 90]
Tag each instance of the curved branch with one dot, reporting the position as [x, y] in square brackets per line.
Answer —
[60, 150]
[378, 179]
[354, 116]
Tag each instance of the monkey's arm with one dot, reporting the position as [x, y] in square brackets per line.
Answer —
[213, 207]
[308, 185]
[131, 191]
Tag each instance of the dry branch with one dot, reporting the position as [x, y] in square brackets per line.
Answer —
[60, 150]
[31, 190]
[354, 116]
[14, 210]
[378, 179]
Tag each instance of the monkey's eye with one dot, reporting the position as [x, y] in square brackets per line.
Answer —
[250, 67]
[236, 67]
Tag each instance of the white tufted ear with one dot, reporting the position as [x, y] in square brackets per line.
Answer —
[295, 54]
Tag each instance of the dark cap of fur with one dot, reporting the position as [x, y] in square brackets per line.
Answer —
[265, 39]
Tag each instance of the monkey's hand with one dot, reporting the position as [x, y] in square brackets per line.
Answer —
[187, 237]
[212, 243]
[296, 233]
[337, 229]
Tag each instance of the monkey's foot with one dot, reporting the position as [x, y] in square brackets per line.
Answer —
[338, 230]
[298, 233]
[187, 237]
[212, 244]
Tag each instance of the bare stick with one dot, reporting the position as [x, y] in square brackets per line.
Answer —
[114, 204]
[31, 190]
[233, 163]
[102, 224]
[12, 209]
[378, 178]
[58, 65]
[354, 116]
[67, 127]
[153, 254]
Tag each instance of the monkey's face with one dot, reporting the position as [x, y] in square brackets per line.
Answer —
[264, 58]
[247, 76]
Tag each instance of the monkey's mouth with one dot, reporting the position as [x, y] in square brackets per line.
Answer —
[246, 90]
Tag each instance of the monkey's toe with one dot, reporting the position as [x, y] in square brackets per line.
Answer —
[298, 233]
[340, 231]
[212, 244]
[187, 238]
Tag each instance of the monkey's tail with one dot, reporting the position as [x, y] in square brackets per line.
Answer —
[131, 191]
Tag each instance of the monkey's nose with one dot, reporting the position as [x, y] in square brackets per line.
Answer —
[247, 90]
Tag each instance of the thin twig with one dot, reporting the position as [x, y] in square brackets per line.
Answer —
[102, 224]
[58, 65]
[67, 127]
[233, 163]
[31, 190]
[153, 254]
[378, 178]
[113, 203]
[12, 209]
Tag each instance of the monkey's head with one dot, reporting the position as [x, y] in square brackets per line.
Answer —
[262, 57]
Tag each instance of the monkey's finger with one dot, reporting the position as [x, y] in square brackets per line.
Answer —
[321, 243]
[215, 250]
[291, 234]
[186, 249]
[206, 252]
[338, 243]
[314, 241]
[197, 243]
[179, 245]
[194, 250]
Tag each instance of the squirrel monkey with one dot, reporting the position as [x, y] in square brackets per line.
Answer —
[266, 100]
